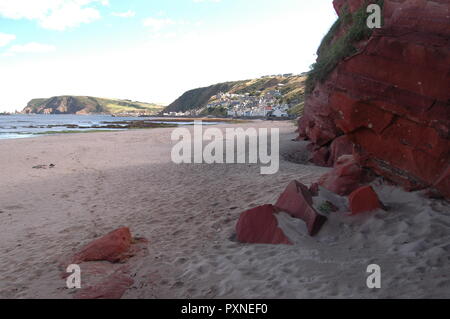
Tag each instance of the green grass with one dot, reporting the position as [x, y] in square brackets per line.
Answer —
[326, 208]
[331, 53]
[216, 111]
[297, 110]
[117, 108]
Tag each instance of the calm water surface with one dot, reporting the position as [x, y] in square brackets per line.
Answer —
[25, 126]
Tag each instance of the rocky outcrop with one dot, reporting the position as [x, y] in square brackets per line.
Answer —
[391, 99]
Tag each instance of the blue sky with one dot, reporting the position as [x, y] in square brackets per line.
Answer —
[150, 50]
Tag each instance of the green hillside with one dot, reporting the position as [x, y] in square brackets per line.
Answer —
[292, 89]
[89, 105]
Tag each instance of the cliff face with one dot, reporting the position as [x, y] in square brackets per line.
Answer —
[87, 105]
[391, 99]
[62, 105]
[197, 98]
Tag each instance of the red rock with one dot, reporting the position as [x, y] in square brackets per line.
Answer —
[113, 287]
[113, 247]
[340, 146]
[391, 99]
[260, 226]
[364, 200]
[297, 201]
[344, 178]
[314, 189]
[321, 156]
[353, 5]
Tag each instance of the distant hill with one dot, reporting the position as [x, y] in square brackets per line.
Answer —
[291, 87]
[89, 105]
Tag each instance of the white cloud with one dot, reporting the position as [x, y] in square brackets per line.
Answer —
[6, 38]
[32, 47]
[52, 14]
[127, 14]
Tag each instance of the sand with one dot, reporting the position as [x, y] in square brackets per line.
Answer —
[102, 181]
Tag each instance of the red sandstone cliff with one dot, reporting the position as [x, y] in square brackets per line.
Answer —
[391, 99]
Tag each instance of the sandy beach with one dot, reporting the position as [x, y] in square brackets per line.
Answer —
[102, 181]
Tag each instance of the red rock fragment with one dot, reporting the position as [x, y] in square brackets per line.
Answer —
[260, 226]
[113, 287]
[321, 156]
[364, 200]
[112, 247]
[297, 201]
[344, 178]
[340, 146]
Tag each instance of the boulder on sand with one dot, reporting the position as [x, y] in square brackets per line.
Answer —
[260, 226]
[112, 247]
[297, 201]
[363, 200]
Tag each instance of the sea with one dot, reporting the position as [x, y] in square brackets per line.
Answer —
[27, 126]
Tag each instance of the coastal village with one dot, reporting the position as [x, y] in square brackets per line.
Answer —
[243, 105]
[256, 104]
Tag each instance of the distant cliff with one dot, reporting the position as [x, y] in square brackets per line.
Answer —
[88, 105]
[291, 88]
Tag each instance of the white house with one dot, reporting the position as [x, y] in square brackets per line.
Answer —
[231, 113]
[280, 113]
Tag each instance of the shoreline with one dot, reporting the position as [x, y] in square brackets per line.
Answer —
[19, 127]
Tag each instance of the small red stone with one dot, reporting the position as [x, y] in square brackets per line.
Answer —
[363, 200]
[111, 247]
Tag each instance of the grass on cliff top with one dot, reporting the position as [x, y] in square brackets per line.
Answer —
[331, 53]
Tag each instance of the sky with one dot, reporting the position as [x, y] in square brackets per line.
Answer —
[150, 50]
